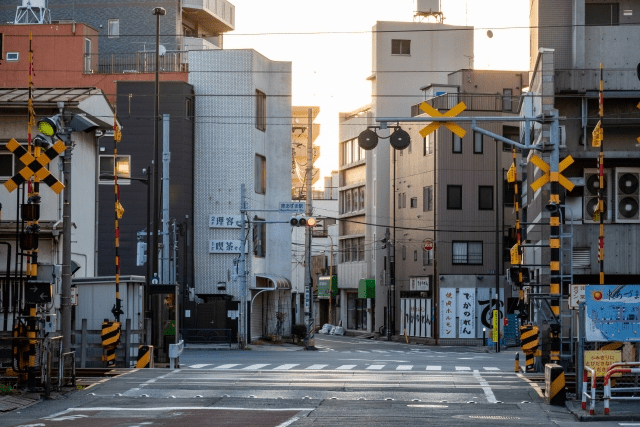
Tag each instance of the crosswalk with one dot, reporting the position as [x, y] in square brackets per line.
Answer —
[326, 367]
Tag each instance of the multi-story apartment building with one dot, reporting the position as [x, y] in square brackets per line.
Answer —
[579, 35]
[231, 153]
[130, 27]
[451, 191]
[405, 55]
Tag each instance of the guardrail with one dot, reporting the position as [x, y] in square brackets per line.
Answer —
[585, 391]
[619, 368]
[175, 350]
[207, 336]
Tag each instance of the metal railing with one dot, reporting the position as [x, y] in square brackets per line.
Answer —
[207, 336]
[134, 63]
[473, 101]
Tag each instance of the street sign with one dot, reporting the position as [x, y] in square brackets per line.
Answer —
[35, 166]
[597, 135]
[577, 295]
[548, 175]
[600, 360]
[496, 329]
[427, 244]
[449, 125]
[612, 313]
[515, 255]
[224, 221]
[38, 292]
[293, 207]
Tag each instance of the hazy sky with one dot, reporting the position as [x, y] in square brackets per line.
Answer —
[329, 70]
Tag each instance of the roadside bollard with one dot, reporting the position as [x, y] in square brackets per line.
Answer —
[517, 362]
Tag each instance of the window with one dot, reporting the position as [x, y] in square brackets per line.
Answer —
[400, 47]
[467, 253]
[107, 171]
[512, 133]
[429, 142]
[404, 200]
[507, 99]
[410, 146]
[404, 253]
[12, 56]
[114, 28]
[601, 14]
[189, 108]
[485, 197]
[362, 198]
[260, 174]
[259, 238]
[456, 144]
[477, 143]
[352, 250]
[510, 192]
[349, 206]
[427, 257]
[361, 249]
[454, 196]
[414, 202]
[427, 198]
[87, 56]
[9, 164]
[415, 255]
[261, 111]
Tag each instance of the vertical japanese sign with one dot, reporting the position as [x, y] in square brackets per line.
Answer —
[467, 313]
[496, 327]
[447, 312]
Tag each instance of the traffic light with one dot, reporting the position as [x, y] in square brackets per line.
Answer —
[302, 221]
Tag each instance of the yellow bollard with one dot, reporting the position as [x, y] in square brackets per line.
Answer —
[517, 362]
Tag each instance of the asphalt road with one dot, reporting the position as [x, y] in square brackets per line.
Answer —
[231, 390]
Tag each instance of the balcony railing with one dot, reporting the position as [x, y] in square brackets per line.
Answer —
[131, 63]
[473, 101]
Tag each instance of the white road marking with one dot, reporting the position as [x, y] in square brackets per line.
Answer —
[434, 368]
[374, 367]
[202, 365]
[288, 422]
[256, 367]
[362, 351]
[404, 368]
[345, 367]
[494, 369]
[379, 351]
[229, 366]
[485, 387]
[316, 367]
[462, 368]
[285, 367]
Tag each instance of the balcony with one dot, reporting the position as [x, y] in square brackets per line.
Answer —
[197, 43]
[132, 63]
[473, 101]
[584, 80]
[217, 16]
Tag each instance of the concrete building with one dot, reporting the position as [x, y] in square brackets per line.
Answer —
[405, 55]
[444, 191]
[230, 153]
[125, 28]
[565, 61]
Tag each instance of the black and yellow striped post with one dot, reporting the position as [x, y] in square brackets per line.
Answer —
[512, 177]
[555, 392]
[119, 211]
[110, 341]
[601, 190]
[145, 356]
[530, 343]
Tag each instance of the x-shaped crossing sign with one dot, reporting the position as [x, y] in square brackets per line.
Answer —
[35, 166]
[449, 125]
[551, 176]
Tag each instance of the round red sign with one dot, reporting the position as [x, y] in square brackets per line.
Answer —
[427, 244]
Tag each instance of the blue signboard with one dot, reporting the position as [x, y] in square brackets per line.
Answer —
[612, 313]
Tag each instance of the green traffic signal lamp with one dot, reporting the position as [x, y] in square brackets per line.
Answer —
[48, 126]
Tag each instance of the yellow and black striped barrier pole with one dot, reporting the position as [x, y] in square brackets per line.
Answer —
[145, 356]
[110, 341]
[555, 391]
[530, 342]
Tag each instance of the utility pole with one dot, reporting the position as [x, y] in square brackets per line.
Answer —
[309, 339]
[166, 160]
[65, 301]
[387, 276]
[242, 278]
[497, 248]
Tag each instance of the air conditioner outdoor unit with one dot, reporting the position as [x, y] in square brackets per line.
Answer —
[627, 195]
[591, 187]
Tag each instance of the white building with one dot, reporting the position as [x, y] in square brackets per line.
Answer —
[84, 167]
[243, 136]
[405, 56]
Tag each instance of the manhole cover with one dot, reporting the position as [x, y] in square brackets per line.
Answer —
[493, 417]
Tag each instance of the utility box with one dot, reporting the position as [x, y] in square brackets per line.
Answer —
[327, 285]
[367, 288]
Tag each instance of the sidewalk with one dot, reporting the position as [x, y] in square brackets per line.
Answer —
[619, 411]
[262, 346]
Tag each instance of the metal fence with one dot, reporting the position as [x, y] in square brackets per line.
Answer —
[207, 336]
[134, 63]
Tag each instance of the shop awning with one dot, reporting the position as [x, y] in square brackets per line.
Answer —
[272, 281]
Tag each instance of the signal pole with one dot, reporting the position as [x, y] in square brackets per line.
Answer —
[309, 340]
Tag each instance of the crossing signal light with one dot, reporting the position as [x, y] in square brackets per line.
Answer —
[302, 221]
[49, 126]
